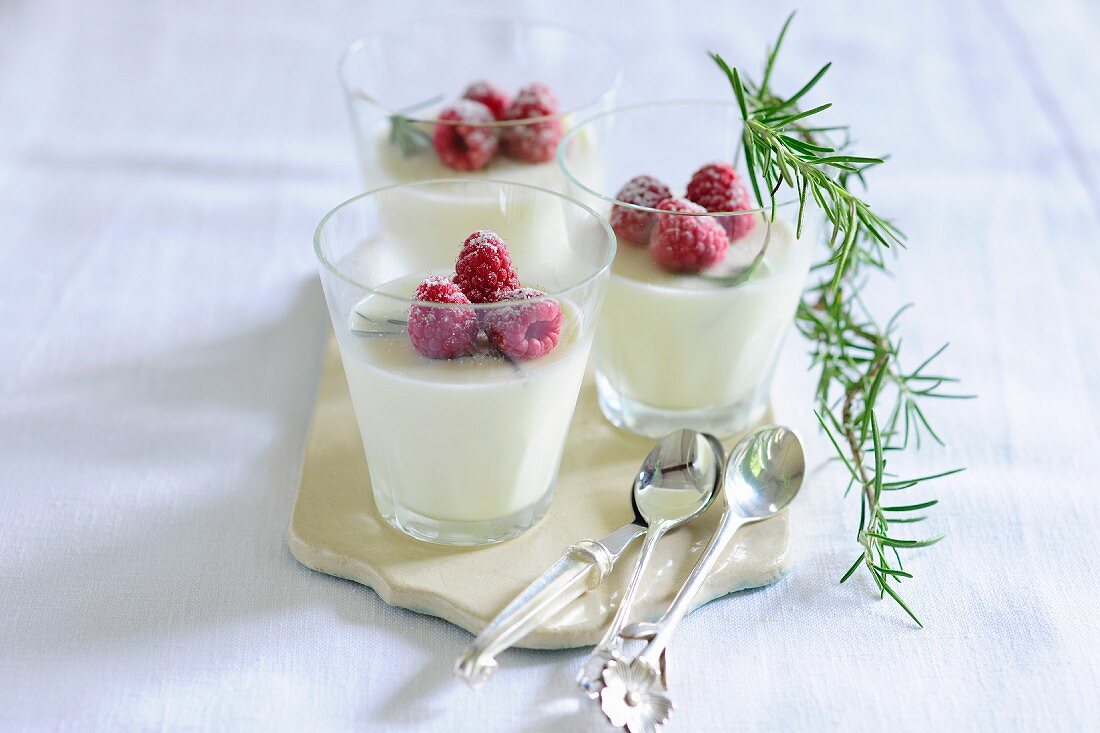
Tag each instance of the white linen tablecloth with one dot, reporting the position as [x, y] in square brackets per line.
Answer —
[162, 166]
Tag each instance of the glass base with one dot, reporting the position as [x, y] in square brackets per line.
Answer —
[462, 534]
[722, 421]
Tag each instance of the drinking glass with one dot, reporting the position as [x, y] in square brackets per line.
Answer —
[410, 75]
[465, 450]
[685, 351]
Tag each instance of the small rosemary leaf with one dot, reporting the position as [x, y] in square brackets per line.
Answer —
[897, 599]
[924, 421]
[803, 147]
[929, 360]
[932, 378]
[908, 520]
[739, 92]
[908, 544]
[930, 477]
[833, 159]
[836, 445]
[832, 128]
[911, 507]
[770, 64]
[892, 571]
[784, 120]
[872, 394]
[801, 208]
[800, 93]
[880, 463]
[747, 143]
[852, 569]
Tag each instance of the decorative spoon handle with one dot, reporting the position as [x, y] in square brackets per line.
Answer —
[588, 676]
[581, 568]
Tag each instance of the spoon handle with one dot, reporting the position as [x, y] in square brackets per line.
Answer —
[727, 528]
[610, 641]
[581, 568]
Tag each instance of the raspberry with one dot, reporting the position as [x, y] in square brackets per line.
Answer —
[687, 243]
[442, 333]
[534, 142]
[484, 268]
[631, 224]
[717, 187]
[526, 330]
[466, 147]
[492, 96]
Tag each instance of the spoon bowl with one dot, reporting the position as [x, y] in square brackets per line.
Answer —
[679, 478]
[764, 473]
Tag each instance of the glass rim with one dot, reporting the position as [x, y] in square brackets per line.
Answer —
[559, 155]
[604, 266]
[359, 43]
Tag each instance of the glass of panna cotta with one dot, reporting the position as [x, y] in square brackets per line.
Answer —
[464, 311]
[474, 97]
[704, 285]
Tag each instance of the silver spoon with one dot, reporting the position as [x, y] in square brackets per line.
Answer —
[585, 565]
[678, 481]
[763, 474]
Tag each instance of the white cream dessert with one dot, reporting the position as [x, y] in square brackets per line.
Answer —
[465, 440]
[685, 342]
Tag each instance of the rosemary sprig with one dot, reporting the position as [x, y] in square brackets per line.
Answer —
[857, 361]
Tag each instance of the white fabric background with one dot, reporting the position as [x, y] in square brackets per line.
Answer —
[162, 166]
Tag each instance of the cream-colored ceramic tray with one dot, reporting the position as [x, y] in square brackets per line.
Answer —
[335, 529]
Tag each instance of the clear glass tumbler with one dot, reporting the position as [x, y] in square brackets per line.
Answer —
[677, 350]
[464, 450]
[398, 82]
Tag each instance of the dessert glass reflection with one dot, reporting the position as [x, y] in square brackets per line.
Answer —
[463, 404]
[692, 346]
[409, 90]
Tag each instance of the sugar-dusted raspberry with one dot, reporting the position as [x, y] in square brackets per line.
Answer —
[466, 147]
[484, 268]
[534, 142]
[630, 224]
[437, 332]
[683, 243]
[717, 187]
[489, 94]
[526, 330]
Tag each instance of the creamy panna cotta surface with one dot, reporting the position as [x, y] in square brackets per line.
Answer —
[464, 440]
[686, 342]
[390, 165]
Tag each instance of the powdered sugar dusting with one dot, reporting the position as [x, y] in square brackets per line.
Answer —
[718, 188]
[687, 243]
[466, 147]
[534, 142]
[492, 96]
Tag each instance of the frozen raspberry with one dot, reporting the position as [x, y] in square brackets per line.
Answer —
[442, 333]
[466, 147]
[534, 142]
[492, 96]
[526, 330]
[687, 243]
[484, 268]
[633, 225]
[717, 187]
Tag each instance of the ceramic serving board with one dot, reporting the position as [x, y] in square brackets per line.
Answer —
[335, 529]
